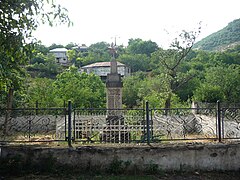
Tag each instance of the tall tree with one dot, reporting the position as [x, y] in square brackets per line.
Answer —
[18, 19]
[220, 83]
[41, 90]
[99, 46]
[137, 62]
[138, 46]
[85, 91]
[99, 51]
[53, 46]
[131, 86]
[171, 60]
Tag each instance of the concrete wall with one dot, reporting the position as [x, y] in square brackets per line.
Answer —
[164, 157]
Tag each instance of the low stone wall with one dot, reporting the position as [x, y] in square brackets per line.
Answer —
[206, 157]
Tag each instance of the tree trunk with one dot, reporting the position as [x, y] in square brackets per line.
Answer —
[168, 104]
[8, 111]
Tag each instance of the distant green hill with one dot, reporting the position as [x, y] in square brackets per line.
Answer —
[222, 39]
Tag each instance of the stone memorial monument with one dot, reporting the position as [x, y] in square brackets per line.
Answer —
[115, 119]
[114, 86]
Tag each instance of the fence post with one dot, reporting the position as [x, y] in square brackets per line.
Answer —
[148, 123]
[219, 121]
[69, 124]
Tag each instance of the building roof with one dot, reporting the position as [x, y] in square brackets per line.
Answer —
[59, 50]
[101, 64]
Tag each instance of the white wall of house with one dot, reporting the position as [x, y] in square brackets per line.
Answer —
[103, 71]
[60, 54]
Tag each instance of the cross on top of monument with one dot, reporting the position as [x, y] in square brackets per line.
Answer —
[113, 49]
[113, 52]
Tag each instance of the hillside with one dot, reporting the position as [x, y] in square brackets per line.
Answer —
[222, 39]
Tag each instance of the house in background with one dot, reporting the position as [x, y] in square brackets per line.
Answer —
[61, 55]
[103, 68]
[81, 48]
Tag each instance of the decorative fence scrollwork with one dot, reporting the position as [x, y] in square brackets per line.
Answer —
[231, 123]
[20, 125]
[119, 125]
[183, 124]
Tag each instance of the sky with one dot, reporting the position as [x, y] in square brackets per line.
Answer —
[157, 20]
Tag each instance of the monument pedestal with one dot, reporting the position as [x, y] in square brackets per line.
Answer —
[114, 91]
[115, 131]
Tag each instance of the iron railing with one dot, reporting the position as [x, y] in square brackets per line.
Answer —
[109, 125]
[32, 124]
[119, 125]
[230, 120]
[183, 124]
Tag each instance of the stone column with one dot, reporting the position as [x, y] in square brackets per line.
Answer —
[114, 90]
[114, 84]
